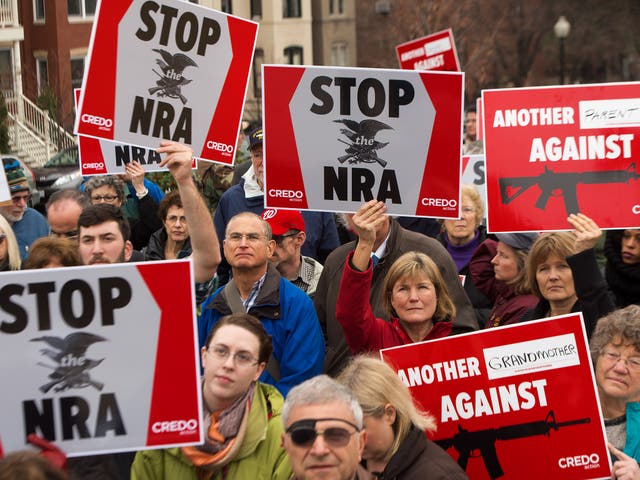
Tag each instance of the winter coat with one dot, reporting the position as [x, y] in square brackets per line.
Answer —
[260, 456]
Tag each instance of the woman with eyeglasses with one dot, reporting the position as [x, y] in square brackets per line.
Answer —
[615, 352]
[242, 423]
[9, 251]
[397, 446]
[461, 237]
[414, 293]
[172, 240]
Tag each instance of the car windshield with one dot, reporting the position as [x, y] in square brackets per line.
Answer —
[65, 158]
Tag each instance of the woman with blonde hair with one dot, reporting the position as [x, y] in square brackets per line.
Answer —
[414, 294]
[397, 445]
[9, 251]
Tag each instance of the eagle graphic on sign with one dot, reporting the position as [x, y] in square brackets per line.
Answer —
[72, 367]
[362, 146]
[171, 80]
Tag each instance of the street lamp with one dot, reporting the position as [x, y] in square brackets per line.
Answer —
[562, 29]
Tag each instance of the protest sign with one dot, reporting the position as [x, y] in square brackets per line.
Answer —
[337, 137]
[553, 151]
[99, 157]
[473, 174]
[433, 52]
[5, 193]
[479, 125]
[167, 70]
[100, 358]
[518, 401]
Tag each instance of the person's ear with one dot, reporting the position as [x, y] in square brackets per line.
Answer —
[363, 440]
[261, 367]
[390, 414]
[301, 238]
[128, 250]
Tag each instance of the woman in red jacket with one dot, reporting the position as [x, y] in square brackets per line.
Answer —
[414, 293]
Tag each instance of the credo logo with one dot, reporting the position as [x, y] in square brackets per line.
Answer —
[93, 166]
[220, 147]
[95, 120]
[269, 213]
[635, 209]
[586, 461]
[285, 193]
[182, 427]
[439, 202]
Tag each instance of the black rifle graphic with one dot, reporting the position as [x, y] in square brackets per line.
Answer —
[483, 442]
[363, 153]
[548, 181]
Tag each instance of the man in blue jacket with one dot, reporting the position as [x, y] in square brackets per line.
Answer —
[257, 288]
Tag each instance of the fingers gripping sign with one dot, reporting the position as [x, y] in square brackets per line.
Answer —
[625, 467]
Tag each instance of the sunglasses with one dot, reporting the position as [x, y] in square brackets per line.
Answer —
[303, 433]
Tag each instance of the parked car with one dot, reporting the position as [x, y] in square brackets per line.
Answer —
[28, 172]
[59, 172]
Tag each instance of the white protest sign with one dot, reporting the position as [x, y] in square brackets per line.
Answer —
[167, 70]
[93, 355]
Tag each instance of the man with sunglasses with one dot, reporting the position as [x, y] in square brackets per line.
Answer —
[27, 224]
[288, 231]
[324, 436]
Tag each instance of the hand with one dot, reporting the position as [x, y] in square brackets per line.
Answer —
[178, 160]
[586, 233]
[49, 451]
[136, 172]
[625, 468]
[366, 221]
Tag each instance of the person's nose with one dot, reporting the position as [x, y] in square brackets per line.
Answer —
[319, 447]
[413, 294]
[494, 260]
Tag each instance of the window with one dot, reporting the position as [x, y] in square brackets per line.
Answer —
[77, 72]
[339, 54]
[38, 10]
[81, 8]
[258, 60]
[291, 9]
[256, 9]
[336, 7]
[42, 71]
[293, 55]
[226, 6]
[6, 70]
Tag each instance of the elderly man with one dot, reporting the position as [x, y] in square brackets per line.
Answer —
[323, 435]
[391, 242]
[63, 211]
[257, 288]
[28, 224]
[287, 228]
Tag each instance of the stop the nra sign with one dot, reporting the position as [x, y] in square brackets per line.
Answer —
[337, 137]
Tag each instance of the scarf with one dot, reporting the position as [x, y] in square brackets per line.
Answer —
[462, 254]
[225, 430]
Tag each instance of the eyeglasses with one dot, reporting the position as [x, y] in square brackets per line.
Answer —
[71, 235]
[104, 198]
[279, 239]
[21, 198]
[251, 237]
[303, 433]
[632, 363]
[173, 219]
[241, 359]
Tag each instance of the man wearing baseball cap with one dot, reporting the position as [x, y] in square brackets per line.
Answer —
[287, 227]
[27, 224]
[248, 196]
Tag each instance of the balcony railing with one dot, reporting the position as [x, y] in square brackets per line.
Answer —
[8, 13]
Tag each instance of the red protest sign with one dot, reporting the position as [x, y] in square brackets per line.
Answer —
[433, 52]
[94, 360]
[552, 151]
[167, 70]
[511, 397]
[337, 137]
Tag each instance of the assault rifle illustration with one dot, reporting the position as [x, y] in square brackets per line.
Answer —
[483, 442]
[548, 181]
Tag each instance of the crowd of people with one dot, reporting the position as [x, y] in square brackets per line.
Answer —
[291, 316]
